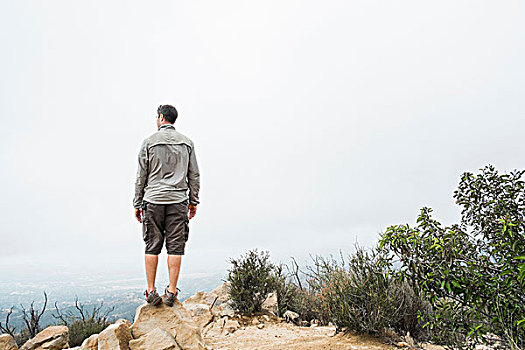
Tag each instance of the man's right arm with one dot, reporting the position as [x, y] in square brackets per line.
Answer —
[142, 176]
[193, 183]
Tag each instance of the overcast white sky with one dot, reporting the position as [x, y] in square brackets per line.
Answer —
[316, 123]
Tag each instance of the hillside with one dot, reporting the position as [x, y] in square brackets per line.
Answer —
[204, 321]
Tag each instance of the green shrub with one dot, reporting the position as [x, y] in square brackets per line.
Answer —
[476, 266]
[79, 329]
[251, 278]
[362, 295]
[449, 322]
[83, 324]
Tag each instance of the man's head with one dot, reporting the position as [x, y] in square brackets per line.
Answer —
[166, 114]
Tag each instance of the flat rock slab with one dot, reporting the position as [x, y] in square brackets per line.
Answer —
[90, 343]
[157, 339]
[7, 342]
[199, 309]
[51, 338]
[115, 336]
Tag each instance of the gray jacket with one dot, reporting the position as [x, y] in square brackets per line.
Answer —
[167, 169]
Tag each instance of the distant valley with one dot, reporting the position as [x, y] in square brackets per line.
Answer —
[121, 292]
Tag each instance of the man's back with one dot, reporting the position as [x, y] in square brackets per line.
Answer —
[167, 169]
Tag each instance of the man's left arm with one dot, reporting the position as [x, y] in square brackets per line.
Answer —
[193, 183]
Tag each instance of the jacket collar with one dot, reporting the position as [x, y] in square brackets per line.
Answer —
[166, 126]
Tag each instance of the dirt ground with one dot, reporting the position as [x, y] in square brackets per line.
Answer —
[277, 336]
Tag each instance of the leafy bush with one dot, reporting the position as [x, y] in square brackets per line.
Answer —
[85, 323]
[362, 295]
[477, 267]
[80, 329]
[448, 322]
[251, 278]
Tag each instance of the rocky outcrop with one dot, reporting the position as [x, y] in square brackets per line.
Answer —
[7, 342]
[115, 336]
[219, 301]
[175, 321]
[199, 309]
[90, 343]
[157, 339]
[155, 328]
[51, 338]
[179, 327]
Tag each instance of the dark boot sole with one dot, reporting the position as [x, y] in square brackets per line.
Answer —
[156, 302]
[168, 303]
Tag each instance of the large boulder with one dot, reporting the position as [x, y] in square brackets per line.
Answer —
[219, 301]
[157, 339]
[199, 309]
[116, 336]
[216, 328]
[90, 343]
[175, 321]
[7, 342]
[220, 294]
[51, 338]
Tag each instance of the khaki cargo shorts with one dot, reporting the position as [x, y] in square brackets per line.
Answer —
[165, 222]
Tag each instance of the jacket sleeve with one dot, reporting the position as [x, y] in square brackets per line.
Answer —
[142, 175]
[193, 178]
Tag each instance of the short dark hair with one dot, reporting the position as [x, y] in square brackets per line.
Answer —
[169, 112]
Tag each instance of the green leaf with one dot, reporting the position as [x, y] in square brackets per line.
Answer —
[521, 275]
[474, 330]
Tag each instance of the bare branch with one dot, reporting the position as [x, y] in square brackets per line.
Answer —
[32, 317]
[80, 308]
[59, 316]
[6, 328]
[296, 273]
[108, 311]
[43, 307]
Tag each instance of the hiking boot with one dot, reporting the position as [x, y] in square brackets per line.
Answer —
[170, 297]
[153, 297]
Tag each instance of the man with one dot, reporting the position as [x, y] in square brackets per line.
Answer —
[167, 169]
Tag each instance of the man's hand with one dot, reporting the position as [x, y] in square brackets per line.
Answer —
[192, 209]
[138, 214]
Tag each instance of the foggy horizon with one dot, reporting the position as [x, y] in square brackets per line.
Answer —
[316, 124]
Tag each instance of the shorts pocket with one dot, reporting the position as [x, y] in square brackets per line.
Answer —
[145, 224]
[186, 230]
[145, 231]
